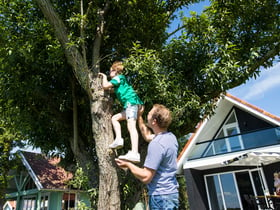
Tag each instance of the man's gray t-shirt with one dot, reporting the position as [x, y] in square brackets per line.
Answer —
[162, 157]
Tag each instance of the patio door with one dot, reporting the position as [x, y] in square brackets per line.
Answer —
[222, 192]
[226, 190]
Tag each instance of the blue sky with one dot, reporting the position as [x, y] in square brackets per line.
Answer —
[263, 91]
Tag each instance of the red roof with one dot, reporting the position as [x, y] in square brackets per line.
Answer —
[50, 175]
[253, 107]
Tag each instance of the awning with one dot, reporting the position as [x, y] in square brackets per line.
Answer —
[254, 159]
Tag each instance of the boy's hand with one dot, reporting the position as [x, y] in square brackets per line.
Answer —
[101, 74]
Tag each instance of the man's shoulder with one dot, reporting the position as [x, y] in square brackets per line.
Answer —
[166, 138]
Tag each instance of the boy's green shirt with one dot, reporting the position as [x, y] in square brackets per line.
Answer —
[124, 91]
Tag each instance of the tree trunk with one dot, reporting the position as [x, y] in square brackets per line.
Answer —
[100, 106]
[109, 195]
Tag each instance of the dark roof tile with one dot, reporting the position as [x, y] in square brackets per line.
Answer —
[50, 175]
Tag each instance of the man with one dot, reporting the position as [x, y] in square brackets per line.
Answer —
[159, 171]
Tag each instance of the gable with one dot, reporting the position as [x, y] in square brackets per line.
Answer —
[249, 118]
[21, 181]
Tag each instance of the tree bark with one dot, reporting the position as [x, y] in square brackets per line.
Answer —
[100, 106]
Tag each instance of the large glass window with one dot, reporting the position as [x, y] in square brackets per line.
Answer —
[222, 192]
[227, 138]
[228, 190]
[214, 192]
[236, 142]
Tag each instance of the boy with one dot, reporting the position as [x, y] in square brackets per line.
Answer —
[131, 103]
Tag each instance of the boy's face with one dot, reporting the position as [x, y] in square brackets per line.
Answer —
[113, 72]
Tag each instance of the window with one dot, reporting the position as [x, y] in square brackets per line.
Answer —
[214, 192]
[29, 184]
[68, 202]
[227, 139]
[227, 190]
[44, 202]
[222, 192]
[28, 203]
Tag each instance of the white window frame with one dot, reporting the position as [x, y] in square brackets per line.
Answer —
[260, 171]
[43, 201]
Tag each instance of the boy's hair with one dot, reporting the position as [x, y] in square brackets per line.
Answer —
[118, 66]
[162, 115]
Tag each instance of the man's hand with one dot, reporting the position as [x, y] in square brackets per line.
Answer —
[141, 110]
[145, 175]
[122, 163]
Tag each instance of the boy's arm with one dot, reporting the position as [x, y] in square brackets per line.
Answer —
[105, 83]
[145, 131]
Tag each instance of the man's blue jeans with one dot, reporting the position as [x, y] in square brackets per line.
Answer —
[164, 202]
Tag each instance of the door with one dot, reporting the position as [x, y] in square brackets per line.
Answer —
[223, 192]
[229, 190]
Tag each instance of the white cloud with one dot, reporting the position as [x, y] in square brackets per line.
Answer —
[256, 89]
[268, 80]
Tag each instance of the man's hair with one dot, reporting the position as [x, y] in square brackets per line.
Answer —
[162, 115]
[118, 66]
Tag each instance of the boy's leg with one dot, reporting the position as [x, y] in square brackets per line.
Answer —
[118, 143]
[131, 116]
[116, 124]
[131, 126]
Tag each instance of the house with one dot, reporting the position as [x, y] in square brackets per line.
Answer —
[229, 161]
[10, 205]
[40, 184]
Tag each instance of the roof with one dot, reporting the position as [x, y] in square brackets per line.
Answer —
[10, 204]
[208, 125]
[45, 171]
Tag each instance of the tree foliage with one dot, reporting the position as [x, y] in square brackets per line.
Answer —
[8, 140]
[51, 53]
[217, 50]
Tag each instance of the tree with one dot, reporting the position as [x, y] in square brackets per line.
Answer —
[30, 44]
[50, 67]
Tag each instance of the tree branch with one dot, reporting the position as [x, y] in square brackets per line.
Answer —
[258, 63]
[175, 31]
[73, 56]
[98, 38]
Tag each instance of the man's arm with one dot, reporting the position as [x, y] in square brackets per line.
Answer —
[145, 175]
[145, 131]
